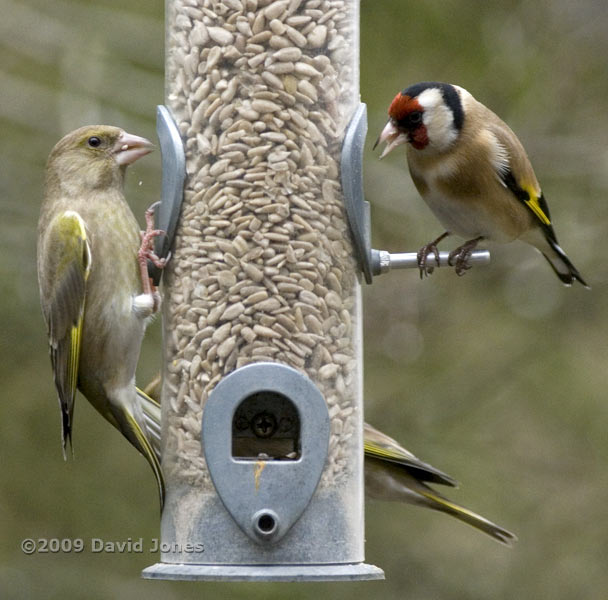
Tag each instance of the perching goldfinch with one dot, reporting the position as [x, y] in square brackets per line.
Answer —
[473, 172]
[393, 473]
[95, 294]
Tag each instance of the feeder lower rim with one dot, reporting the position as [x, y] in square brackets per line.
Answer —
[308, 572]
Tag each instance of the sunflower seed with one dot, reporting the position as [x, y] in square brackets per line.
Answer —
[261, 91]
[220, 35]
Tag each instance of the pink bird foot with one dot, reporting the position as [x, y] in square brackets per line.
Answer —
[146, 253]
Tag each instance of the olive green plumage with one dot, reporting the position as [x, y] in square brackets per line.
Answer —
[90, 284]
[393, 473]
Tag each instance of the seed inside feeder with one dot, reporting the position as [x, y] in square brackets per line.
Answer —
[263, 267]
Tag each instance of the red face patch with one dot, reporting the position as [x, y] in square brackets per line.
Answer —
[400, 109]
[419, 138]
[402, 106]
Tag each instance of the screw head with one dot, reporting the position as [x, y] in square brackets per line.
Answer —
[264, 424]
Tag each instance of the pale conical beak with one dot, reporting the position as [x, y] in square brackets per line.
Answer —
[392, 136]
[128, 148]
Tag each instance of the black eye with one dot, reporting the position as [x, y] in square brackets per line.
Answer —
[94, 141]
[411, 121]
[415, 118]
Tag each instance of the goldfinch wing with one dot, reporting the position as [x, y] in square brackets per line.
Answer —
[64, 268]
[380, 446]
[516, 174]
[386, 481]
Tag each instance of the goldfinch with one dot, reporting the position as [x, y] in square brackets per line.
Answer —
[474, 174]
[393, 473]
[95, 293]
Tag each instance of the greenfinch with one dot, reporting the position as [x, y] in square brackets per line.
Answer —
[392, 473]
[95, 294]
[474, 174]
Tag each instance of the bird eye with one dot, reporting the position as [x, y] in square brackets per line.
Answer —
[415, 117]
[94, 141]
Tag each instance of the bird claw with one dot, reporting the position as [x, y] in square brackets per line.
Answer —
[459, 260]
[459, 257]
[146, 253]
[423, 254]
[150, 210]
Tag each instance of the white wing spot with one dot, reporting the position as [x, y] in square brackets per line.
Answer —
[499, 156]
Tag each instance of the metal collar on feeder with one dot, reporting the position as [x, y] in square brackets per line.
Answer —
[173, 177]
[371, 261]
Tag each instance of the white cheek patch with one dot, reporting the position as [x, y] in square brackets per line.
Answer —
[438, 119]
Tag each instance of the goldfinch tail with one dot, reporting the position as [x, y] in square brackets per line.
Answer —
[544, 239]
[561, 264]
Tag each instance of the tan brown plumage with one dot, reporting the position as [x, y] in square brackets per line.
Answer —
[473, 172]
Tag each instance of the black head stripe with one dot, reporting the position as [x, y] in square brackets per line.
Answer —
[449, 93]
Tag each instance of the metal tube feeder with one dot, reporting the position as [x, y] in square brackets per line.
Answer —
[262, 409]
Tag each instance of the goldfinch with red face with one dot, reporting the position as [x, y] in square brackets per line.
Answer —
[474, 174]
[95, 293]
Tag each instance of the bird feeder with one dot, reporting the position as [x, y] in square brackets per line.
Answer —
[261, 398]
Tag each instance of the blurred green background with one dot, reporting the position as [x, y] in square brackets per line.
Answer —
[499, 377]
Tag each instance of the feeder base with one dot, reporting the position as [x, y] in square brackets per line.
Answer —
[330, 572]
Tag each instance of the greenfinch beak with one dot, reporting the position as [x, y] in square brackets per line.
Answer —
[128, 148]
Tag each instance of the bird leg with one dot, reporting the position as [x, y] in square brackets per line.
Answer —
[459, 257]
[146, 253]
[423, 253]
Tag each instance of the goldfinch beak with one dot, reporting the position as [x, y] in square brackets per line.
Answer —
[128, 148]
[391, 136]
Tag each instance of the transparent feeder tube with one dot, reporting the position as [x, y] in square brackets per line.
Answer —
[263, 268]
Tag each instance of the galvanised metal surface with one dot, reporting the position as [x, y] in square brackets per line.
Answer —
[266, 495]
[263, 270]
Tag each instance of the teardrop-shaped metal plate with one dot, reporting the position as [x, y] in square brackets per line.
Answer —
[264, 494]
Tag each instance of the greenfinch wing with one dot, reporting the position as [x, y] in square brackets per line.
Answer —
[65, 265]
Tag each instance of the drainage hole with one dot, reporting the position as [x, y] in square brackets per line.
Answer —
[266, 523]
